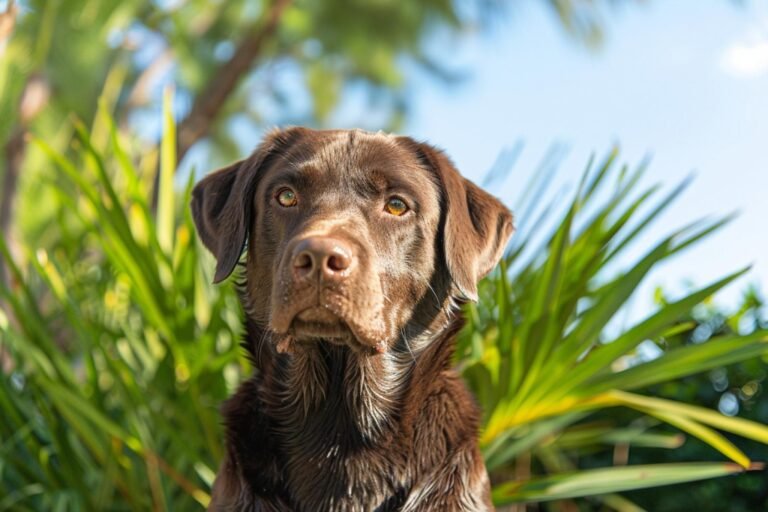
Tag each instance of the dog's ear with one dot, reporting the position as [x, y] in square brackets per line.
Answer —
[476, 226]
[223, 202]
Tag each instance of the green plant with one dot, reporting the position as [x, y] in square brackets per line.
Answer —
[121, 351]
[539, 357]
[737, 388]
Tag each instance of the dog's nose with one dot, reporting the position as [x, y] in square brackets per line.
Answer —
[326, 258]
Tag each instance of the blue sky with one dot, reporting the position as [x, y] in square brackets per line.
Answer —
[685, 82]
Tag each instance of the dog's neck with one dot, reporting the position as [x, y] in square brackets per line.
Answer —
[336, 389]
[322, 390]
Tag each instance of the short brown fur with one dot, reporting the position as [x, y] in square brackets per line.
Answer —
[351, 316]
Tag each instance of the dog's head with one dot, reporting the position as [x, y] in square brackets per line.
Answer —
[348, 232]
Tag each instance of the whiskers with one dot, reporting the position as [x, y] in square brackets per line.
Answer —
[407, 345]
[438, 306]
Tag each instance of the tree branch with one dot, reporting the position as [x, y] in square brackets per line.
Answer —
[208, 104]
[33, 99]
[14, 155]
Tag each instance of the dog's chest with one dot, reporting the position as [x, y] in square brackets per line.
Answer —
[326, 469]
[336, 478]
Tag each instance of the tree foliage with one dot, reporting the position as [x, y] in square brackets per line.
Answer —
[233, 63]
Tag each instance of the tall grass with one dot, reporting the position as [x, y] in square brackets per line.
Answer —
[121, 351]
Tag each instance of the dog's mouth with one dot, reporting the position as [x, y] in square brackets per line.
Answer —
[332, 318]
[318, 322]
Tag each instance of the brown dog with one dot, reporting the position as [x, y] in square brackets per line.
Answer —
[359, 246]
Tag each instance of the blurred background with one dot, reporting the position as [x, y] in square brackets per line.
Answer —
[109, 110]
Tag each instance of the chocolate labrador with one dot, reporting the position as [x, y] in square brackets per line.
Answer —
[359, 249]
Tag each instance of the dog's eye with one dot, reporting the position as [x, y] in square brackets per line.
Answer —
[287, 197]
[396, 206]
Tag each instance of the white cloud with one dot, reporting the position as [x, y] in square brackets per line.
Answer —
[746, 59]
